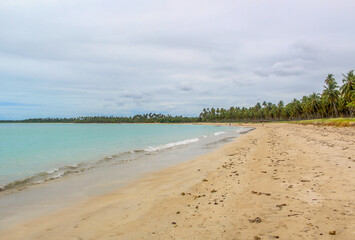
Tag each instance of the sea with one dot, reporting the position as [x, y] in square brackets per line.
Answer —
[32, 153]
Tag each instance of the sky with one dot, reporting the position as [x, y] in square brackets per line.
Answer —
[67, 58]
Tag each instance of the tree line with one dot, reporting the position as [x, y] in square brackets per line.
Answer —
[144, 118]
[334, 101]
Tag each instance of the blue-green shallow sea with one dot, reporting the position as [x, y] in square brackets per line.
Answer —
[39, 152]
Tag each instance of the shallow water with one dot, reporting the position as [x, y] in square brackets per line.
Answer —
[34, 153]
[18, 205]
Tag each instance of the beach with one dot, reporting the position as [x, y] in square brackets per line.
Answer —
[279, 181]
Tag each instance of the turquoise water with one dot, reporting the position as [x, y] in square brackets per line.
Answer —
[43, 150]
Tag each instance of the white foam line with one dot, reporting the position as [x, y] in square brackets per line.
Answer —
[59, 175]
[170, 145]
[52, 171]
[219, 133]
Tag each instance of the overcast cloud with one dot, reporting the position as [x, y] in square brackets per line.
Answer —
[63, 58]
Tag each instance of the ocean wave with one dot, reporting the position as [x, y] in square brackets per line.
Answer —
[58, 175]
[18, 183]
[75, 168]
[52, 171]
[41, 177]
[114, 157]
[171, 145]
[219, 133]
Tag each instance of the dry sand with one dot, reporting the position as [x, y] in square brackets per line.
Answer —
[279, 181]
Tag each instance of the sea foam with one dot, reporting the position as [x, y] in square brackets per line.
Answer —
[52, 171]
[171, 145]
[219, 133]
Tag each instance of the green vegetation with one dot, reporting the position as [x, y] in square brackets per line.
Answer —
[145, 118]
[332, 102]
[339, 122]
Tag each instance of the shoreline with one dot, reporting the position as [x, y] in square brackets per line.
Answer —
[57, 171]
[24, 200]
[279, 181]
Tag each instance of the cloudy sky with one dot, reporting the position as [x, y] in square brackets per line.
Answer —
[62, 58]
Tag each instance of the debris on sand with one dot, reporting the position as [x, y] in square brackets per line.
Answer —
[255, 220]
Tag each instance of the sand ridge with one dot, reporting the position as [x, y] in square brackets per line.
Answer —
[280, 181]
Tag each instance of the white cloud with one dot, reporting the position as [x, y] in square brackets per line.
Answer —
[69, 57]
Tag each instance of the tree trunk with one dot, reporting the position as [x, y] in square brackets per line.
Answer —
[335, 109]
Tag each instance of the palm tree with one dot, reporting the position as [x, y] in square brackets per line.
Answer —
[280, 107]
[314, 103]
[351, 105]
[306, 111]
[331, 92]
[297, 109]
[348, 86]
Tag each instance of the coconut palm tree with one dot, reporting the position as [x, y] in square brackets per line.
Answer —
[348, 86]
[314, 104]
[331, 92]
[306, 111]
[280, 107]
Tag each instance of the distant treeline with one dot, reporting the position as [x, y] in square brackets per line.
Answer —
[145, 118]
[334, 101]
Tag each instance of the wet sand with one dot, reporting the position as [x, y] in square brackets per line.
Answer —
[279, 181]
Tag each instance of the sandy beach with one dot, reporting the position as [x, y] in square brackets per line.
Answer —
[280, 181]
